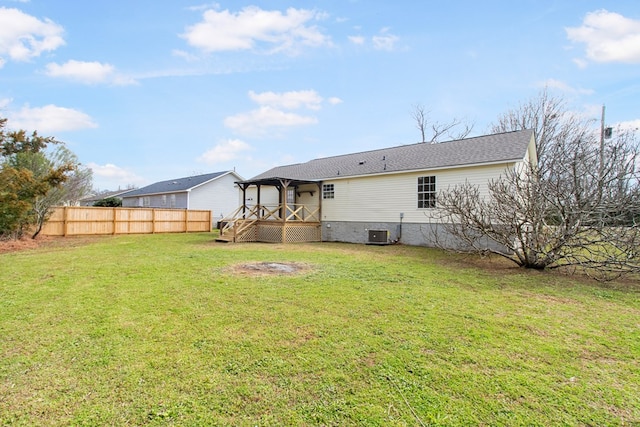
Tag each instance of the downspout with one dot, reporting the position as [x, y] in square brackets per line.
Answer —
[399, 229]
[319, 184]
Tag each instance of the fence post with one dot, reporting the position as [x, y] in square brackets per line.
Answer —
[115, 213]
[64, 221]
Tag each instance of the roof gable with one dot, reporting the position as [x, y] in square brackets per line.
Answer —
[502, 147]
[176, 185]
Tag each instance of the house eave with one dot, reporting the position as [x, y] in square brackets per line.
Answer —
[276, 181]
[428, 170]
[156, 194]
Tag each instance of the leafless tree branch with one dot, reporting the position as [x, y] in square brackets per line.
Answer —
[436, 131]
[580, 206]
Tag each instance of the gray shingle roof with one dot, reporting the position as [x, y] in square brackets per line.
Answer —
[502, 147]
[105, 195]
[174, 185]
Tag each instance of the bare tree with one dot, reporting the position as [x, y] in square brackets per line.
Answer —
[77, 184]
[455, 129]
[579, 206]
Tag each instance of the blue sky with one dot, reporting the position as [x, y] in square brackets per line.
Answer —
[149, 90]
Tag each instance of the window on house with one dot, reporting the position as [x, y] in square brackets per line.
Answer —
[173, 200]
[164, 200]
[146, 201]
[328, 191]
[426, 192]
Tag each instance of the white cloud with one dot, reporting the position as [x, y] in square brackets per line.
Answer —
[189, 57]
[258, 122]
[271, 114]
[4, 102]
[224, 151]
[631, 125]
[359, 40]
[564, 87]
[385, 40]
[201, 7]
[50, 118]
[253, 27]
[581, 63]
[111, 176]
[87, 72]
[289, 100]
[608, 36]
[23, 36]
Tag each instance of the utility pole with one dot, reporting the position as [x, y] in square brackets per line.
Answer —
[602, 127]
[605, 133]
[601, 170]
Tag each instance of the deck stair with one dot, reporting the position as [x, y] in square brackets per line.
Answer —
[234, 230]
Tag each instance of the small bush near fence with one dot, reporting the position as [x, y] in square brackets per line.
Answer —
[82, 220]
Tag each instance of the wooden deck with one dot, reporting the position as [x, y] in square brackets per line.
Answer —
[272, 224]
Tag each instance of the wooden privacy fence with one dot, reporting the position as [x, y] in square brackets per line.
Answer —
[81, 220]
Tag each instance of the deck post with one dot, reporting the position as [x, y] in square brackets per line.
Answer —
[283, 202]
[259, 210]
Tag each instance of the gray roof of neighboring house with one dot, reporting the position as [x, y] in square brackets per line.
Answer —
[502, 147]
[175, 185]
[105, 195]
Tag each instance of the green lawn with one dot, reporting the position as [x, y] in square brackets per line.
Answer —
[166, 330]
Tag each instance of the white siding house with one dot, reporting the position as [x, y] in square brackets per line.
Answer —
[392, 189]
[216, 192]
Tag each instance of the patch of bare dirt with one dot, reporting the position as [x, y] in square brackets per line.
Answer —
[270, 268]
[22, 244]
[27, 243]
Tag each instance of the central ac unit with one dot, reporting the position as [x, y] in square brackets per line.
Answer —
[378, 237]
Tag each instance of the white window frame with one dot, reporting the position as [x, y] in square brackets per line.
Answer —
[328, 191]
[427, 192]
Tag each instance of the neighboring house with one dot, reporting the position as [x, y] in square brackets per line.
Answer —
[89, 201]
[379, 196]
[216, 192]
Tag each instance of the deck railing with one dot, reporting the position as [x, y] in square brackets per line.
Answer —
[305, 213]
[245, 219]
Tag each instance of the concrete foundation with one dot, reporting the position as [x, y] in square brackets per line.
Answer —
[406, 233]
